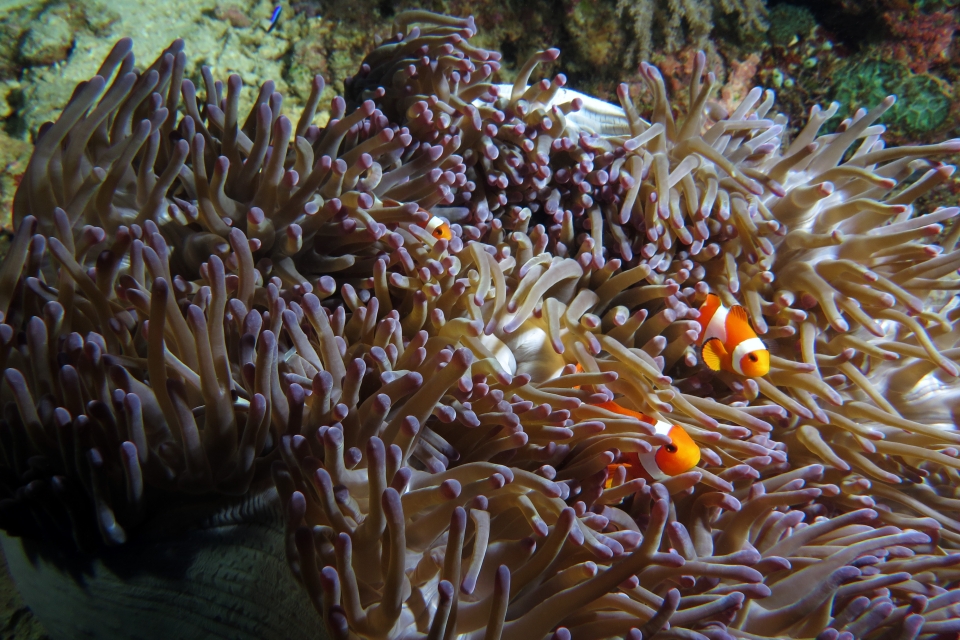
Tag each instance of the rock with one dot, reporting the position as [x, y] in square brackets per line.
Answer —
[16, 620]
[48, 41]
[308, 59]
[98, 16]
[233, 14]
[10, 95]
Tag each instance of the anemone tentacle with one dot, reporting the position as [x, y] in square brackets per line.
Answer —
[197, 305]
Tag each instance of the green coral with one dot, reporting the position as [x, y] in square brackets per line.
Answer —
[789, 21]
[936, 5]
[922, 103]
[923, 106]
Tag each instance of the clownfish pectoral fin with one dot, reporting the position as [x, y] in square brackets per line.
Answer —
[612, 475]
[713, 354]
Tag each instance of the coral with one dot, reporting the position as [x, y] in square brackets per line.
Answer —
[921, 40]
[331, 48]
[48, 41]
[14, 154]
[677, 23]
[596, 36]
[739, 81]
[198, 306]
[924, 103]
[46, 89]
[98, 16]
[45, 34]
[234, 14]
[789, 23]
[308, 58]
[735, 77]
[802, 72]
[677, 69]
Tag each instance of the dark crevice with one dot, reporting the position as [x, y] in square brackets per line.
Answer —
[852, 24]
[15, 125]
[509, 50]
[386, 8]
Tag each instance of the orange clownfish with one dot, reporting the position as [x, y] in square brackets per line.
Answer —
[662, 462]
[438, 228]
[729, 342]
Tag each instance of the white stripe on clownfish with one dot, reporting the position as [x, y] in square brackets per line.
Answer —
[747, 346]
[717, 327]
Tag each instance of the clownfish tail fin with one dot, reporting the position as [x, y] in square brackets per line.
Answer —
[712, 353]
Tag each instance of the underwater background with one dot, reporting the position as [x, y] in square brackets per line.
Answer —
[851, 51]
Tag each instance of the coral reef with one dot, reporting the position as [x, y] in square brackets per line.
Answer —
[230, 36]
[202, 303]
[789, 23]
[862, 53]
[47, 42]
[677, 23]
[925, 103]
[13, 160]
[802, 71]
[922, 40]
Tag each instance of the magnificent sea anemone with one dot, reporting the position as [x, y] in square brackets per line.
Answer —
[252, 389]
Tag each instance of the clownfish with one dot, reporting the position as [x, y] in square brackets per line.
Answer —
[660, 463]
[729, 342]
[438, 228]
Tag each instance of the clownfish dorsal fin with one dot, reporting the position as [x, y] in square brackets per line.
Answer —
[713, 353]
[713, 300]
[739, 313]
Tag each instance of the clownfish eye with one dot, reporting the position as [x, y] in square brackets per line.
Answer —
[753, 357]
[671, 448]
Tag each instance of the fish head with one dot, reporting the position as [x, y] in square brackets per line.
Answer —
[439, 229]
[681, 455]
[756, 363]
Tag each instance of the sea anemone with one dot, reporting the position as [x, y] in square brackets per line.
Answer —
[210, 325]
